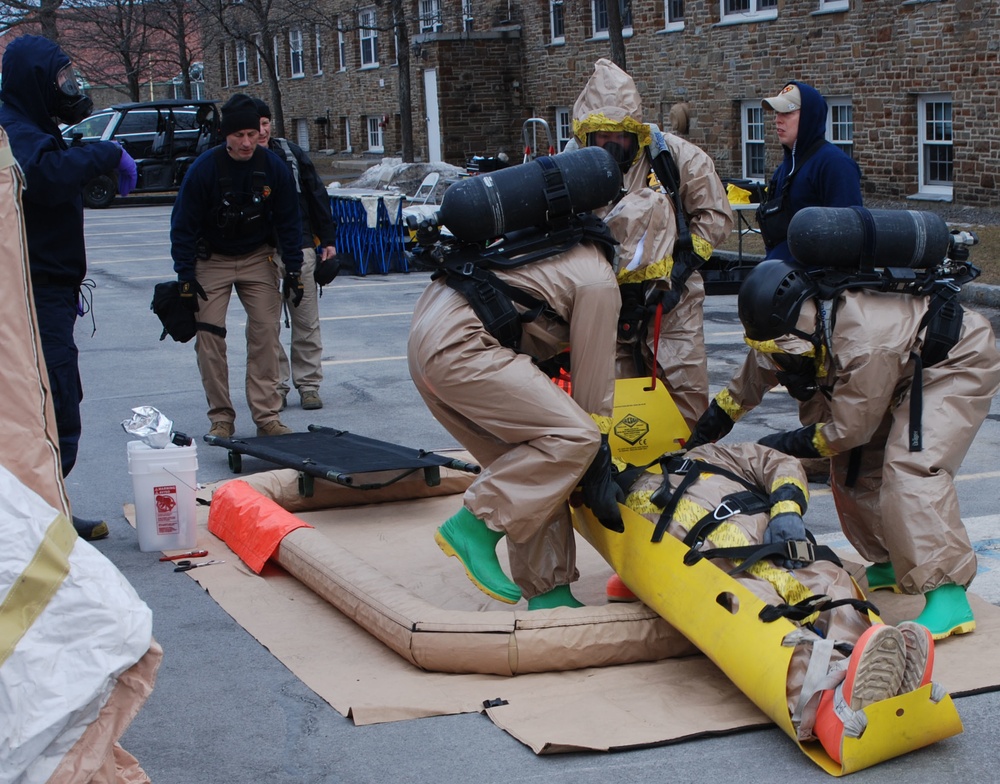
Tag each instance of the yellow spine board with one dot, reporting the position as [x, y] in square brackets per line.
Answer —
[720, 616]
[646, 421]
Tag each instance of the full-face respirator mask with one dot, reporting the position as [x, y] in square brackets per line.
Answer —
[72, 104]
[623, 152]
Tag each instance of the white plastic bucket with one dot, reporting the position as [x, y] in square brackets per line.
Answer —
[164, 482]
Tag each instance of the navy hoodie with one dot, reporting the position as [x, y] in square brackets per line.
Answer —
[54, 173]
[827, 178]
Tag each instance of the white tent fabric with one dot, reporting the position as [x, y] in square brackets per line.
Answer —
[77, 655]
[71, 625]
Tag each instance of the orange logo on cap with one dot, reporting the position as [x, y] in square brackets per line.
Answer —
[787, 89]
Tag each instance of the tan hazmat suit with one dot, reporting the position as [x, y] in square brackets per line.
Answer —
[611, 102]
[902, 506]
[768, 470]
[533, 440]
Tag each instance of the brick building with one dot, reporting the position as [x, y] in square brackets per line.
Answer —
[913, 85]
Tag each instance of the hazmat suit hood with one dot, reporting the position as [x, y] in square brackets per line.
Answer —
[31, 66]
[610, 101]
[812, 119]
[643, 223]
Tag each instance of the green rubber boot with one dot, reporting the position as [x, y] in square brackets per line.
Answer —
[947, 612]
[881, 576]
[560, 596]
[469, 539]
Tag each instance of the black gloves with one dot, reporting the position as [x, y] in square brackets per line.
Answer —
[600, 491]
[293, 288]
[710, 427]
[786, 527]
[190, 291]
[797, 443]
[669, 298]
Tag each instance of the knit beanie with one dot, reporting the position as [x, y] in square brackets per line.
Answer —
[262, 108]
[239, 114]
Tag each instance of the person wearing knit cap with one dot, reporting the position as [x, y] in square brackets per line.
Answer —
[236, 202]
[318, 224]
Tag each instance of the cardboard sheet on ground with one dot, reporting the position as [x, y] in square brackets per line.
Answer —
[597, 708]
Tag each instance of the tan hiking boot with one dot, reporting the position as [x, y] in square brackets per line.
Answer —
[222, 429]
[311, 400]
[274, 428]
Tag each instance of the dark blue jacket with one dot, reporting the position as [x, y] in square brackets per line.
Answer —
[827, 178]
[314, 203]
[196, 212]
[54, 173]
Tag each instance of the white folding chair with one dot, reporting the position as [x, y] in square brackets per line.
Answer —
[426, 189]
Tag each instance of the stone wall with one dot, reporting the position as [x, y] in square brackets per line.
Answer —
[881, 54]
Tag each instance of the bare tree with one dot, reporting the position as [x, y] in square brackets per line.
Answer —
[174, 20]
[615, 36]
[253, 23]
[24, 13]
[109, 42]
[405, 108]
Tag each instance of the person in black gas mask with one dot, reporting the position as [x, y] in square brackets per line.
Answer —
[39, 90]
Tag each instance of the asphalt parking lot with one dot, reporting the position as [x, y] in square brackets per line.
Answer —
[225, 711]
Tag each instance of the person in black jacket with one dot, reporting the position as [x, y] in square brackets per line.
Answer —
[236, 201]
[40, 89]
[318, 226]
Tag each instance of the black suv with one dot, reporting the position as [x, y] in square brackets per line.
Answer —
[164, 137]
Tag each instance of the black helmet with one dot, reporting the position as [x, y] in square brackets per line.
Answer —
[771, 296]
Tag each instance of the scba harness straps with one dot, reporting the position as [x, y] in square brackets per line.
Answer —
[469, 271]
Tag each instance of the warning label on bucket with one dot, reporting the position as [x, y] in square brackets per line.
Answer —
[168, 519]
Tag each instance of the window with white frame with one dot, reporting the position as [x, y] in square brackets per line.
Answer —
[375, 135]
[348, 144]
[241, 62]
[752, 135]
[295, 53]
[564, 128]
[749, 10]
[276, 47]
[341, 47]
[319, 50]
[368, 38]
[225, 65]
[828, 6]
[934, 137]
[599, 14]
[557, 22]
[673, 14]
[840, 124]
[430, 16]
[258, 47]
[468, 19]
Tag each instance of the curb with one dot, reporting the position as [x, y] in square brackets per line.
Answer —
[981, 294]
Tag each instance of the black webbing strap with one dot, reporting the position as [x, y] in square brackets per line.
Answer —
[204, 327]
[559, 204]
[746, 502]
[813, 604]
[802, 551]
[916, 434]
[688, 469]
[493, 300]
